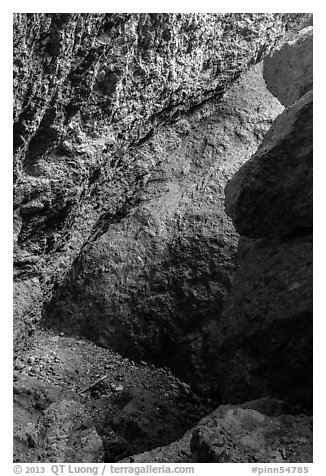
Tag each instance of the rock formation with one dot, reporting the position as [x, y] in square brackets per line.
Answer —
[127, 128]
[88, 88]
[241, 435]
[150, 283]
[264, 337]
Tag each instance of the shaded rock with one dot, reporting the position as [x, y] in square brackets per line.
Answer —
[89, 88]
[28, 299]
[69, 434]
[263, 340]
[264, 337]
[235, 435]
[239, 435]
[272, 193]
[288, 72]
[51, 425]
[272, 407]
[154, 408]
[149, 282]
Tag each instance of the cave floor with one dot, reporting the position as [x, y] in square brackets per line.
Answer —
[135, 407]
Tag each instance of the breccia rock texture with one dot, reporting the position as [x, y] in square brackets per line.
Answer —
[127, 128]
[88, 89]
[264, 335]
[28, 302]
[239, 435]
[272, 193]
[135, 408]
[288, 72]
[52, 425]
[148, 284]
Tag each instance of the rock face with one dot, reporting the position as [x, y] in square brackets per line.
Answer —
[52, 425]
[235, 435]
[127, 127]
[264, 337]
[28, 300]
[149, 284]
[289, 71]
[90, 87]
[272, 193]
[240, 435]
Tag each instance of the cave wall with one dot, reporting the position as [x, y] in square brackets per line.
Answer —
[264, 336]
[126, 129]
[149, 284]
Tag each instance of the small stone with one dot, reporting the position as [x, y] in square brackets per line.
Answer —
[18, 365]
[119, 388]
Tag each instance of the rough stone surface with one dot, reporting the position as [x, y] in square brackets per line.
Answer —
[288, 72]
[133, 409]
[148, 284]
[235, 435]
[89, 87]
[28, 299]
[239, 435]
[51, 425]
[264, 337]
[126, 129]
[272, 193]
[263, 340]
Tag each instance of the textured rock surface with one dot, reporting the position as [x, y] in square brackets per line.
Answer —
[272, 193]
[28, 299]
[149, 284]
[239, 435]
[288, 72]
[126, 129]
[135, 408]
[235, 435]
[264, 337]
[89, 87]
[51, 425]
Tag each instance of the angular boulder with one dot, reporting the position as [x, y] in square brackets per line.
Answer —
[272, 193]
[288, 72]
[150, 282]
[239, 435]
[264, 337]
[51, 425]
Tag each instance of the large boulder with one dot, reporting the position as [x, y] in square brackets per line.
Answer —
[288, 72]
[239, 435]
[263, 340]
[150, 281]
[51, 425]
[264, 337]
[272, 193]
[88, 88]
